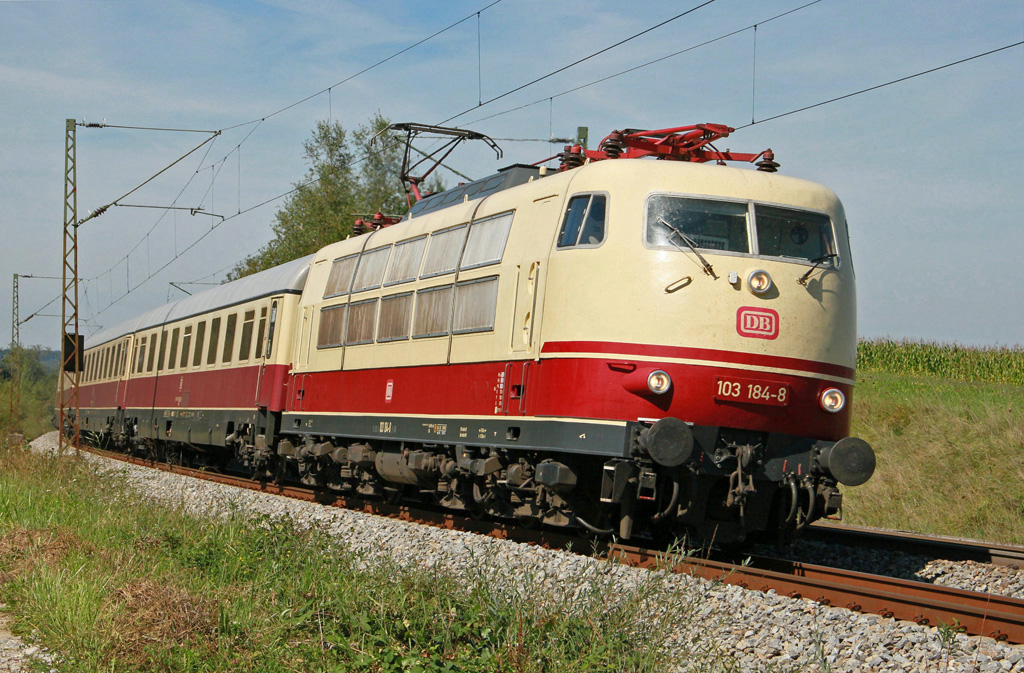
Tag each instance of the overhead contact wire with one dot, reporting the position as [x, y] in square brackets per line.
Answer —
[879, 86]
[585, 58]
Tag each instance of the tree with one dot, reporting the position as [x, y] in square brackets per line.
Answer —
[347, 177]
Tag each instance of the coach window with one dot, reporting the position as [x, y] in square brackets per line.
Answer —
[153, 343]
[140, 363]
[172, 360]
[362, 317]
[486, 242]
[197, 356]
[395, 316]
[340, 279]
[163, 351]
[405, 262]
[229, 337]
[584, 222]
[120, 360]
[433, 311]
[273, 324]
[186, 342]
[443, 251]
[245, 343]
[106, 362]
[211, 355]
[172, 356]
[371, 269]
[678, 222]
[475, 304]
[332, 322]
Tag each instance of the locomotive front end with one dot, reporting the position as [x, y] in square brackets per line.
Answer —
[717, 317]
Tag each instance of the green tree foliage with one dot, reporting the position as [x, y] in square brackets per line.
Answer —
[37, 391]
[347, 177]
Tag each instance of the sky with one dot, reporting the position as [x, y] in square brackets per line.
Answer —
[930, 169]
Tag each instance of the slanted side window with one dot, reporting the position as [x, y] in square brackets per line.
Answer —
[371, 269]
[332, 324]
[443, 251]
[433, 311]
[340, 279]
[152, 351]
[229, 337]
[140, 363]
[186, 343]
[163, 351]
[395, 317]
[362, 317]
[486, 241]
[211, 355]
[197, 357]
[475, 304]
[584, 223]
[245, 343]
[172, 360]
[405, 262]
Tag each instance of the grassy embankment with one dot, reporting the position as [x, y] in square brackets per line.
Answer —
[113, 583]
[947, 424]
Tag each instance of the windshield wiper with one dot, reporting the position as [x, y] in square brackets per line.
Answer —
[817, 262]
[708, 269]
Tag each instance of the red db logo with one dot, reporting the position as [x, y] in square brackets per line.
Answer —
[757, 323]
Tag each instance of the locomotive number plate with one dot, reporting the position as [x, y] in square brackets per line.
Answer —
[751, 391]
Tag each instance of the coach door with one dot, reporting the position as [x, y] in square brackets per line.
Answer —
[125, 367]
[269, 378]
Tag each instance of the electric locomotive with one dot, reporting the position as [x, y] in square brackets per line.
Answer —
[626, 345]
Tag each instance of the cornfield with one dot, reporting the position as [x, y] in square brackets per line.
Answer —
[999, 364]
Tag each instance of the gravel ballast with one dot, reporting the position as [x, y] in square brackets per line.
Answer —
[757, 631]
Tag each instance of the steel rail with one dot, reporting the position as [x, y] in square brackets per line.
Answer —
[979, 614]
[952, 548]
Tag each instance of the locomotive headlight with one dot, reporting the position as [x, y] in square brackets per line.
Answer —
[833, 400]
[659, 382]
[759, 282]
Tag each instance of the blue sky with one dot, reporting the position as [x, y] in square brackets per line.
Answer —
[929, 170]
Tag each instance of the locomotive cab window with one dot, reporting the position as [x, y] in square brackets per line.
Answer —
[679, 222]
[584, 222]
[783, 232]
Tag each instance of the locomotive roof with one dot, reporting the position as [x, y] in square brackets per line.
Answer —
[510, 176]
[288, 278]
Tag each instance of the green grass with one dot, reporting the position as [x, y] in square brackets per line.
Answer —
[112, 583]
[949, 455]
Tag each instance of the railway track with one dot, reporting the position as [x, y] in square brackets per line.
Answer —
[951, 548]
[977, 613]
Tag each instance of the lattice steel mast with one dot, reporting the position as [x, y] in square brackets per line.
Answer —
[70, 356]
[15, 357]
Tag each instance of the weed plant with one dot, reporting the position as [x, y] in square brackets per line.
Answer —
[111, 582]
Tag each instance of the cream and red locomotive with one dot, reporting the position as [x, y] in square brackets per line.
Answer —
[626, 345]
